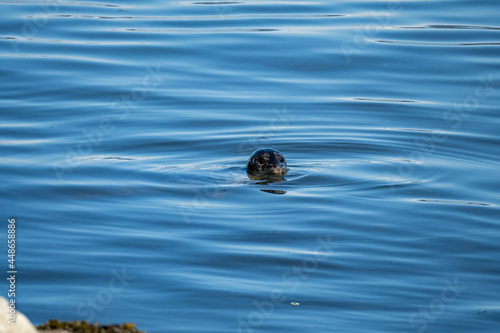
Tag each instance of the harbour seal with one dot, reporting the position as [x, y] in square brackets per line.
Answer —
[266, 161]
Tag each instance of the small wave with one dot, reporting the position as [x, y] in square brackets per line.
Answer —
[451, 26]
[415, 43]
[228, 3]
[382, 100]
[202, 31]
[413, 130]
[217, 3]
[66, 3]
[453, 202]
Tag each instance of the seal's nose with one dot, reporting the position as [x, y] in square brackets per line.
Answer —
[279, 164]
[276, 160]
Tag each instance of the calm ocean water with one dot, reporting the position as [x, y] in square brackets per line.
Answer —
[124, 132]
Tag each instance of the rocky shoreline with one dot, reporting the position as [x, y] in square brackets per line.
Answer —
[56, 326]
[13, 321]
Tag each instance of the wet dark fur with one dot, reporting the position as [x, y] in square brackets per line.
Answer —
[266, 161]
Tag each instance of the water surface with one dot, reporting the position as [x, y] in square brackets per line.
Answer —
[126, 126]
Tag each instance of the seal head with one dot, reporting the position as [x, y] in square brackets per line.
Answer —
[266, 161]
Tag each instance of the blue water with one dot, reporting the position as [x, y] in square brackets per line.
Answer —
[124, 132]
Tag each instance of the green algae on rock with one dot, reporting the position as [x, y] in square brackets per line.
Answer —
[84, 327]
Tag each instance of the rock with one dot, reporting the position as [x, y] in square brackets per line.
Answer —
[56, 326]
[23, 325]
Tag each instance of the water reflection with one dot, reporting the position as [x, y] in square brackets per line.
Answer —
[267, 179]
[274, 191]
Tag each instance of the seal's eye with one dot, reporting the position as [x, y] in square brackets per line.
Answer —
[280, 158]
[261, 160]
